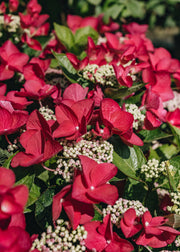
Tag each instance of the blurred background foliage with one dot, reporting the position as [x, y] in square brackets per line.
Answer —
[162, 16]
[163, 13]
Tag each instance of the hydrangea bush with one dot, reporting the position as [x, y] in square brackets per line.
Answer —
[90, 136]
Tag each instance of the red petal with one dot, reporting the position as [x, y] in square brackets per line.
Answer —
[20, 194]
[109, 196]
[75, 92]
[102, 173]
[7, 177]
[57, 204]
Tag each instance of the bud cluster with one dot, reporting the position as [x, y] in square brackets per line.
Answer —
[120, 207]
[99, 150]
[137, 114]
[13, 25]
[153, 169]
[47, 113]
[173, 104]
[62, 239]
[103, 75]
[175, 198]
[12, 147]
[177, 241]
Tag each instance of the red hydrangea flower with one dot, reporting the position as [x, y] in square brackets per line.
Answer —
[13, 5]
[12, 198]
[78, 212]
[73, 120]
[11, 60]
[91, 185]
[155, 113]
[14, 239]
[155, 234]
[118, 122]
[101, 237]
[130, 223]
[174, 117]
[11, 120]
[37, 141]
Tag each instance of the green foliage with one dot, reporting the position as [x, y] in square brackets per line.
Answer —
[4, 156]
[75, 43]
[43, 210]
[119, 93]
[66, 66]
[127, 159]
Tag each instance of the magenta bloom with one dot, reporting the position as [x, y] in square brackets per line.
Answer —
[77, 212]
[37, 141]
[118, 122]
[174, 117]
[102, 238]
[12, 199]
[73, 120]
[14, 239]
[11, 60]
[155, 234]
[130, 223]
[90, 186]
[11, 120]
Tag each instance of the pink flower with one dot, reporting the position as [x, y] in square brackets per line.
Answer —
[75, 22]
[102, 238]
[130, 223]
[135, 28]
[155, 234]
[11, 120]
[174, 117]
[92, 181]
[118, 122]
[13, 5]
[155, 113]
[11, 60]
[14, 239]
[73, 120]
[37, 141]
[77, 212]
[12, 199]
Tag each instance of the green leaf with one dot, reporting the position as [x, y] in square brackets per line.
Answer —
[26, 176]
[43, 211]
[175, 162]
[171, 180]
[168, 150]
[176, 133]
[64, 35]
[66, 66]
[94, 2]
[82, 34]
[136, 8]
[152, 135]
[5, 158]
[113, 11]
[115, 93]
[128, 159]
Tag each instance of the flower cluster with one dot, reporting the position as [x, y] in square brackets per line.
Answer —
[138, 115]
[47, 113]
[90, 111]
[12, 219]
[120, 207]
[177, 241]
[62, 238]
[174, 103]
[100, 150]
[175, 198]
[103, 75]
[154, 169]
